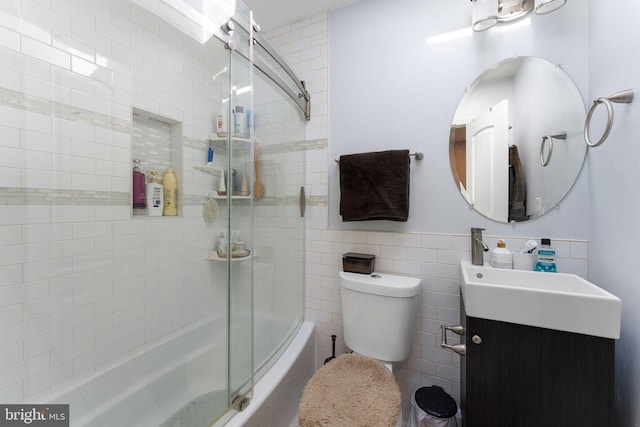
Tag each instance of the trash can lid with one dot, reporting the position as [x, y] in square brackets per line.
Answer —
[436, 402]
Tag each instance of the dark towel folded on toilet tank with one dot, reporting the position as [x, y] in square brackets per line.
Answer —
[375, 186]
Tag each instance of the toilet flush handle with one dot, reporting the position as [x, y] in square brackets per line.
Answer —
[458, 348]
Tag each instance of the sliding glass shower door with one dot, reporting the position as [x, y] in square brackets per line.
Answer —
[239, 198]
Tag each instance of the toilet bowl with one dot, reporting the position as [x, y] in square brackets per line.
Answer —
[378, 312]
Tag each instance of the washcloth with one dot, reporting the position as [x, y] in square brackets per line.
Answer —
[517, 187]
[375, 186]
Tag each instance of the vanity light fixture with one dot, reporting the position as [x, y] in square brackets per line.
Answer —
[547, 6]
[488, 13]
[485, 14]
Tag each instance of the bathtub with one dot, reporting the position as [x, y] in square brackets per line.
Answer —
[151, 387]
[277, 393]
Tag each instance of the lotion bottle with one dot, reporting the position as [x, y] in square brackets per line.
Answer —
[139, 199]
[240, 121]
[221, 124]
[501, 257]
[155, 197]
[170, 186]
[222, 188]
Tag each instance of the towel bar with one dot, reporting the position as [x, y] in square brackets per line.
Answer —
[418, 155]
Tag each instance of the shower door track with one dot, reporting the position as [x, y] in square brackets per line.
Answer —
[302, 98]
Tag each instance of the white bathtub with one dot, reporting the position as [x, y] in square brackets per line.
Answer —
[277, 393]
[150, 388]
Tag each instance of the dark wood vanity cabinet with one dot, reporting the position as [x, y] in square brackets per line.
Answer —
[521, 376]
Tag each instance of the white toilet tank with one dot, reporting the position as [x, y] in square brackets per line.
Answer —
[379, 313]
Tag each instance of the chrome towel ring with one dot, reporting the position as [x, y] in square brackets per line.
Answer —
[625, 97]
[549, 139]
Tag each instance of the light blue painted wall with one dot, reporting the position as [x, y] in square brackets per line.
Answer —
[614, 226]
[390, 89]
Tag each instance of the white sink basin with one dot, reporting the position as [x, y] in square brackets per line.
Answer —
[564, 302]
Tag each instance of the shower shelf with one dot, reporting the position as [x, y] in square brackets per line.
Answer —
[237, 197]
[213, 256]
[208, 169]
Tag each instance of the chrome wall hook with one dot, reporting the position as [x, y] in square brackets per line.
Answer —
[623, 97]
[548, 139]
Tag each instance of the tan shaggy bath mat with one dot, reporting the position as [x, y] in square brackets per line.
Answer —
[350, 391]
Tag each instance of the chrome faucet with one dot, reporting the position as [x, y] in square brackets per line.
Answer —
[477, 246]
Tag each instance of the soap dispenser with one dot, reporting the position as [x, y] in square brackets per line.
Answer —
[501, 256]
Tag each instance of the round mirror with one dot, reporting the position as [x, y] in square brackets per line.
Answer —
[516, 144]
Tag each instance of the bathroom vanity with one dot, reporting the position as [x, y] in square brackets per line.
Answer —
[528, 376]
[538, 349]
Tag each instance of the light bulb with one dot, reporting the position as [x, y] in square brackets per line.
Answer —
[547, 6]
[485, 14]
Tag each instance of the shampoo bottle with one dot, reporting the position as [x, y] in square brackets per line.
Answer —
[139, 198]
[501, 256]
[546, 257]
[222, 188]
[170, 186]
[221, 124]
[240, 121]
[155, 197]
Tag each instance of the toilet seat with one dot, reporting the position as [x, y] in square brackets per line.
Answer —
[351, 390]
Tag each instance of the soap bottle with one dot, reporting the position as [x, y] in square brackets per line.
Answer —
[170, 186]
[221, 249]
[210, 153]
[221, 124]
[222, 188]
[546, 257]
[155, 196]
[240, 121]
[139, 197]
[501, 256]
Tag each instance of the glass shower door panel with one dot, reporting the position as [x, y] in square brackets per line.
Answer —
[239, 198]
[278, 224]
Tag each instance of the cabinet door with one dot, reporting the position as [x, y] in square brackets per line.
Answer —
[521, 376]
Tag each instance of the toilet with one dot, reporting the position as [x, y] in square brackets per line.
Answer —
[379, 312]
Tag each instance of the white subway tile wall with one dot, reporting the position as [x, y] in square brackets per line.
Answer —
[432, 257]
[82, 284]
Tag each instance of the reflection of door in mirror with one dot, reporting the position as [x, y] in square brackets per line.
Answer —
[458, 155]
[488, 161]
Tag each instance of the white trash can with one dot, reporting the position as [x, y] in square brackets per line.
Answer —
[432, 407]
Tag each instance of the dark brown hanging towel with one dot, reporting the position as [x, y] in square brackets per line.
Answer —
[517, 187]
[375, 186]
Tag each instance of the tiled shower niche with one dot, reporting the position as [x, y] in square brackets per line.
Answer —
[156, 141]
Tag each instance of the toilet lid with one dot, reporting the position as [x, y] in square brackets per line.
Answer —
[351, 390]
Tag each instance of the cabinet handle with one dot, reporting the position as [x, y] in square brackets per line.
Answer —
[461, 349]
